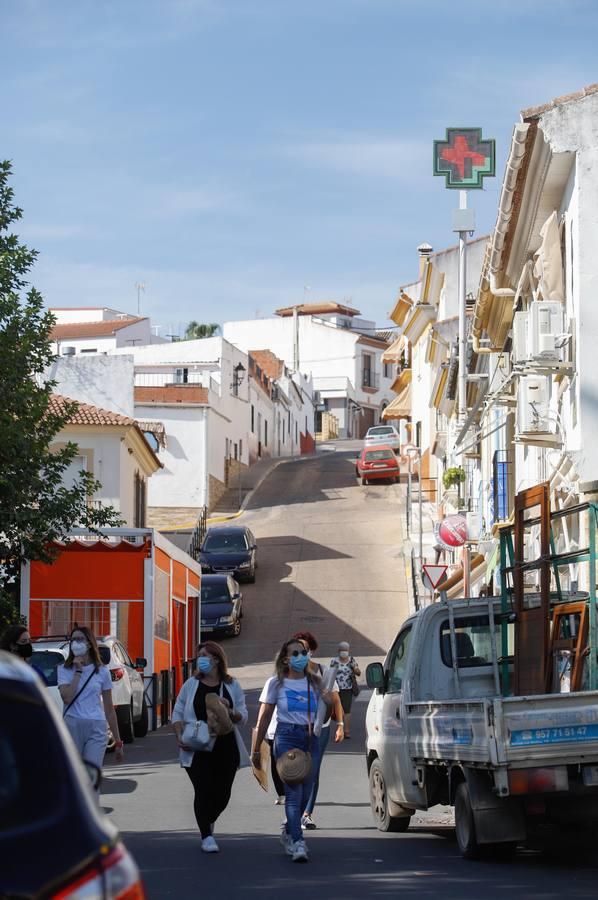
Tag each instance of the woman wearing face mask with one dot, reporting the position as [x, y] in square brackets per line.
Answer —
[85, 686]
[307, 638]
[16, 639]
[211, 772]
[347, 670]
[294, 693]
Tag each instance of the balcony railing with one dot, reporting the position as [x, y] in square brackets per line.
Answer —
[370, 379]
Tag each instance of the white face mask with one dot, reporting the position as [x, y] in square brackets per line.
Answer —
[79, 648]
[343, 654]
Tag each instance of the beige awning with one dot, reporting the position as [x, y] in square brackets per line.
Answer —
[401, 381]
[437, 394]
[400, 407]
[402, 307]
[395, 351]
[156, 428]
[421, 316]
[549, 260]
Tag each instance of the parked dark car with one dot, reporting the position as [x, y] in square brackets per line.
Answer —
[221, 605]
[54, 839]
[230, 548]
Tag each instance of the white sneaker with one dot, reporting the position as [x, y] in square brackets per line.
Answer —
[279, 800]
[299, 852]
[209, 845]
[286, 841]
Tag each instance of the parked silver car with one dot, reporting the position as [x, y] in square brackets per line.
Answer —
[383, 434]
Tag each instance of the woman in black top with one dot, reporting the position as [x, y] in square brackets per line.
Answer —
[212, 772]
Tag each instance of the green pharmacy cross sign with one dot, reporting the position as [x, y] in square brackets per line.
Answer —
[464, 158]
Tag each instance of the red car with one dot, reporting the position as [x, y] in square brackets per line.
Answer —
[377, 462]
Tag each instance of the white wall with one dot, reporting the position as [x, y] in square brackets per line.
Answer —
[85, 314]
[182, 480]
[324, 351]
[104, 381]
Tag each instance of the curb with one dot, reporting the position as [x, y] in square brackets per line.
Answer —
[257, 485]
[248, 496]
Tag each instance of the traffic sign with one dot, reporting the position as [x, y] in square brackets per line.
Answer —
[433, 575]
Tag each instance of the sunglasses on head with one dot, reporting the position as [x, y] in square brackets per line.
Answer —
[298, 653]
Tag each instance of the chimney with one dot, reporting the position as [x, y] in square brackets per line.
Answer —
[424, 251]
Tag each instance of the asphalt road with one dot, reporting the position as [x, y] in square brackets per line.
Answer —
[329, 561]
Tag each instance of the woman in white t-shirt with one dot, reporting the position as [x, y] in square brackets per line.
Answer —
[85, 686]
[294, 693]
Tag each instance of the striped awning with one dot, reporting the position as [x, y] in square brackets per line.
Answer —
[400, 407]
[395, 351]
[155, 428]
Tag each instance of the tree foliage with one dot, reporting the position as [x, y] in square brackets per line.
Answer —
[197, 330]
[35, 507]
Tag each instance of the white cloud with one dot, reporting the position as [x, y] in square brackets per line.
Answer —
[42, 232]
[394, 158]
[179, 201]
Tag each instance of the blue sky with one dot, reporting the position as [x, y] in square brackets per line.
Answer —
[230, 152]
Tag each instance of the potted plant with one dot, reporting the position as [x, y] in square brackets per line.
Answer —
[454, 475]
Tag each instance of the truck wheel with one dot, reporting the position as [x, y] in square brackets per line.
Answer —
[140, 727]
[378, 801]
[125, 724]
[465, 825]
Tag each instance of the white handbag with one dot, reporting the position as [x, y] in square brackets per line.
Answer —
[197, 736]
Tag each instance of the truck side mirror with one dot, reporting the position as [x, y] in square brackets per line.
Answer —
[374, 676]
[140, 662]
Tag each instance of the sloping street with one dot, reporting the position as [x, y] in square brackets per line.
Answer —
[329, 561]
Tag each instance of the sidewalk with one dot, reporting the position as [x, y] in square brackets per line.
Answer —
[235, 499]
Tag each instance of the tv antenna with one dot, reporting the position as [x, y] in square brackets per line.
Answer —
[140, 285]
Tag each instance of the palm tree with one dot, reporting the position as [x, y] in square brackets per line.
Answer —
[197, 330]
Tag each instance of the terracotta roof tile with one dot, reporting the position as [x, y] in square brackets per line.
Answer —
[86, 414]
[172, 393]
[74, 330]
[268, 362]
[534, 111]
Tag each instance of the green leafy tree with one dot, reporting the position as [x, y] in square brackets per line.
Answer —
[35, 507]
[197, 330]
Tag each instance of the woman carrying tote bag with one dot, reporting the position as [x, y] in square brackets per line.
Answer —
[209, 706]
[294, 694]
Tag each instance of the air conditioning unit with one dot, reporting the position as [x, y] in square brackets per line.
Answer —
[520, 337]
[533, 405]
[545, 331]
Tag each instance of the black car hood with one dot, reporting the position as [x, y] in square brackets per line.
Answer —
[230, 560]
[212, 611]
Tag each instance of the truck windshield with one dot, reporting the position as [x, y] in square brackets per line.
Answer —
[472, 635]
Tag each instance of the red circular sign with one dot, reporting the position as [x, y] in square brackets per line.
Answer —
[453, 531]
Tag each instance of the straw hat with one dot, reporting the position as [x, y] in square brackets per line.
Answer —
[218, 715]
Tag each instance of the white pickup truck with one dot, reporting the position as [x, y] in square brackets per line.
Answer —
[439, 732]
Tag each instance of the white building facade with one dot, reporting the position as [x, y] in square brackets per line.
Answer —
[340, 351]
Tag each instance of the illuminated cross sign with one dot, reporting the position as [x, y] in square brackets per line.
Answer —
[464, 158]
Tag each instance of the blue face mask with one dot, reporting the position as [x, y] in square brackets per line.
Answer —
[204, 664]
[298, 663]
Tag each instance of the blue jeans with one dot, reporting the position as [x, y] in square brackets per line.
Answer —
[296, 796]
[323, 741]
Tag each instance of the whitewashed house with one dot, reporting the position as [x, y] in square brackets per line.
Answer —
[339, 350]
[281, 408]
[199, 392]
[533, 417]
[91, 330]
[113, 449]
